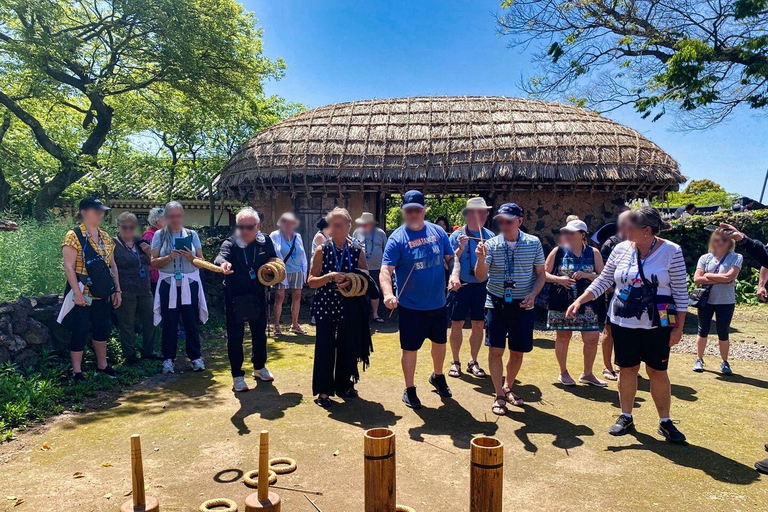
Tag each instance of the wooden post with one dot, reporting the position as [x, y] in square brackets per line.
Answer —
[486, 474]
[380, 470]
[140, 502]
[263, 499]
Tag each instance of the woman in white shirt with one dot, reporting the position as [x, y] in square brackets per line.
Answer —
[718, 270]
[647, 313]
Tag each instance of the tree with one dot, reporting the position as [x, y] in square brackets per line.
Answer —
[700, 193]
[67, 64]
[704, 58]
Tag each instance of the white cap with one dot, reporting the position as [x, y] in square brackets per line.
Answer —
[575, 226]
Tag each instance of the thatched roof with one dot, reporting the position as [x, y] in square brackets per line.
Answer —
[452, 142]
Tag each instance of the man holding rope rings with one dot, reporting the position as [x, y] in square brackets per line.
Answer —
[415, 254]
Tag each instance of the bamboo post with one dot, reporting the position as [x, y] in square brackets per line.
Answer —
[380, 477]
[139, 502]
[263, 499]
[486, 474]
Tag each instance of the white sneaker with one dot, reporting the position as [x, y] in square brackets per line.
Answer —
[239, 384]
[198, 365]
[263, 374]
[168, 366]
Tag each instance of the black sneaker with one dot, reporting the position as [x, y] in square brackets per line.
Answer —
[670, 432]
[323, 401]
[78, 377]
[133, 361]
[410, 399]
[349, 393]
[623, 425]
[438, 381]
[762, 466]
[108, 371]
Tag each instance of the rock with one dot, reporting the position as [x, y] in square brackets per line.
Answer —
[27, 359]
[46, 314]
[5, 355]
[5, 325]
[48, 300]
[12, 342]
[6, 308]
[19, 316]
[37, 333]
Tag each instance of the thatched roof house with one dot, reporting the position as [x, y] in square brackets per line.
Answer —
[544, 155]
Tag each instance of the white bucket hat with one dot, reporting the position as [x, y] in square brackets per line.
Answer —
[366, 218]
[575, 226]
[475, 203]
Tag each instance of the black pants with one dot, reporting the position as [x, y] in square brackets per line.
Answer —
[96, 318]
[188, 315]
[724, 316]
[235, 334]
[330, 374]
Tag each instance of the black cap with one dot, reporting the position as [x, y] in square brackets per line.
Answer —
[93, 203]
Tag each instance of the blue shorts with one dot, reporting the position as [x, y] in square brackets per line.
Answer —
[469, 300]
[509, 325]
[417, 326]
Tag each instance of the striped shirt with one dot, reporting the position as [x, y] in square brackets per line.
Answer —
[621, 269]
[512, 263]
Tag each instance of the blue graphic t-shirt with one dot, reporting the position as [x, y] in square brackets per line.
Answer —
[424, 251]
[468, 259]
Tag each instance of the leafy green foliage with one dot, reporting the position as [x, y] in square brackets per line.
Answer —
[700, 193]
[702, 58]
[449, 207]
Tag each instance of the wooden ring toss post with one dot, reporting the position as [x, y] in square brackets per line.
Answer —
[282, 465]
[486, 474]
[380, 470]
[263, 499]
[140, 502]
[215, 505]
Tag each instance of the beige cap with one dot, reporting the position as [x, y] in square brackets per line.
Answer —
[475, 203]
[366, 218]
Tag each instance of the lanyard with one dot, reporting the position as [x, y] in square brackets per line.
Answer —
[339, 262]
[365, 244]
[245, 257]
[101, 243]
[640, 263]
[293, 239]
[133, 251]
[509, 260]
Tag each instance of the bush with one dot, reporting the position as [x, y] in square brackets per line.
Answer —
[31, 259]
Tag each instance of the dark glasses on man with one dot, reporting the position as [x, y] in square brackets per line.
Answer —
[246, 227]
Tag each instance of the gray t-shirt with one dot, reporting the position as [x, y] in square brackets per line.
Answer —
[182, 263]
[721, 293]
[374, 244]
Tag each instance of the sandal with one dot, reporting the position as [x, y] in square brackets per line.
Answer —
[323, 401]
[500, 409]
[297, 330]
[379, 320]
[513, 398]
[474, 369]
[455, 370]
[610, 375]
[278, 332]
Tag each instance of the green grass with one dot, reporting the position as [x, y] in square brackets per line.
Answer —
[31, 259]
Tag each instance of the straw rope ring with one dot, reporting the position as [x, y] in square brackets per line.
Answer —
[364, 289]
[347, 292]
[282, 465]
[251, 478]
[216, 503]
[404, 508]
[277, 268]
[278, 274]
[356, 283]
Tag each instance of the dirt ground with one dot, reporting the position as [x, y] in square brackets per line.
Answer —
[199, 437]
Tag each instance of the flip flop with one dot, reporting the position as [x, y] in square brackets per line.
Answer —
[379, 320]
[298, 330]
[514, 400]
[610, 375]
[500, 409]
[455, 370]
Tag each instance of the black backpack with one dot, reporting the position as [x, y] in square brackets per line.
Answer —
[100, 281]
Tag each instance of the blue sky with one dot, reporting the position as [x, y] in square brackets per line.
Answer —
[344, 50]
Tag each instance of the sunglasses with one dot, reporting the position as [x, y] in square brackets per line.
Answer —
[246, 227]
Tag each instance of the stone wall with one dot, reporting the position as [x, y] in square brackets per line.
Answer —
[27, 327]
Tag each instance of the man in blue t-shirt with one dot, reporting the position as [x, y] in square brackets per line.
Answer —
[415, 253]
[467, 291]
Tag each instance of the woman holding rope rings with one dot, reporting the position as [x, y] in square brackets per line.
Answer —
[343, 335]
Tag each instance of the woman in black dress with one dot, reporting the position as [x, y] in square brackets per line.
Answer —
[343, 335]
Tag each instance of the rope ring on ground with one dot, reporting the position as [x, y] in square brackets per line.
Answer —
[216, 503]
[251, 478]
[404, 508]
[282, 465]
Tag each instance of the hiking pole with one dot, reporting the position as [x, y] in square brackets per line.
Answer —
[402, 289]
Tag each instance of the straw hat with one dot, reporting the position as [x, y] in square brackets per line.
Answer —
[475, 203]
[366, 218]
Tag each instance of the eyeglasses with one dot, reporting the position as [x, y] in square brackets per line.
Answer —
[246, 227]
